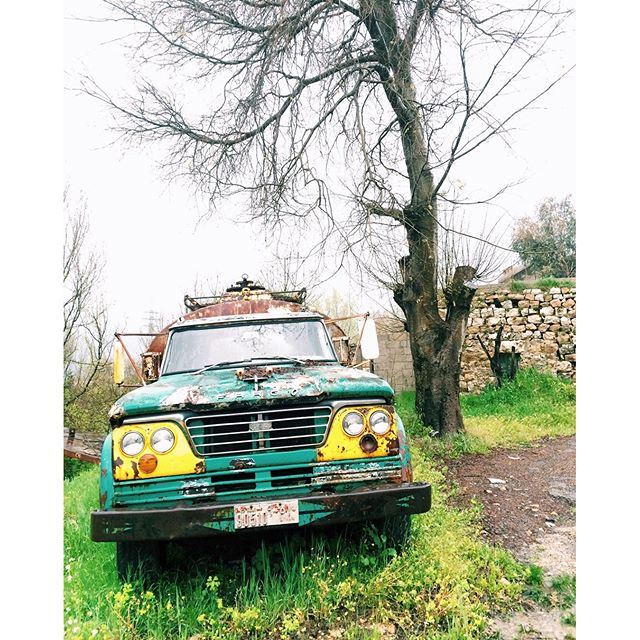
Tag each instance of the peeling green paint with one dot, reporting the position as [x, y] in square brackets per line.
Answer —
[106, 474]
[221, 389]
[203, 502]
[245, 485]
[308, 513]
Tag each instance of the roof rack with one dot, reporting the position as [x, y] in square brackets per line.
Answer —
[244, 289]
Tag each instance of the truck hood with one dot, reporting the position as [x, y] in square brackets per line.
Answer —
[223, 389]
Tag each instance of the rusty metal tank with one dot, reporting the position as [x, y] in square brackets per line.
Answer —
[243, 298]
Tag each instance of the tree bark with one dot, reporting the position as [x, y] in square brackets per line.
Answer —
[436, 343]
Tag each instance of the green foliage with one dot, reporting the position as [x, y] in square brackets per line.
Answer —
[518, 286]
[89, 411]
[444, 586]
[533, 406]
[531, 393]
[564, 590]
[547, 242]
[561, 593]
[534, 589]
[73, 467]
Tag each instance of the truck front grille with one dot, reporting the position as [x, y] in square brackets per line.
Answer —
[224, 434]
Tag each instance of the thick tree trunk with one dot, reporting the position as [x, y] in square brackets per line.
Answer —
[436, 353]
[436, 342]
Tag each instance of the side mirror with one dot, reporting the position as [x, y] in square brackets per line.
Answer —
[369, 340]
[118, 364]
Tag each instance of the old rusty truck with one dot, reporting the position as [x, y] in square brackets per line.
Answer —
[250, 414]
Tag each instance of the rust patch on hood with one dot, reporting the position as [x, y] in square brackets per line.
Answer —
[248, 374]
[393, 446]
[300, 384]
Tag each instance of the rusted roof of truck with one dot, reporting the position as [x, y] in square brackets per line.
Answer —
[240, 306]
[276, 314]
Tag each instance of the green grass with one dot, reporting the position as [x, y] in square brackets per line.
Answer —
[445, 587]
[72, 467]
[561, 593]
[535, 405]
[517, 286]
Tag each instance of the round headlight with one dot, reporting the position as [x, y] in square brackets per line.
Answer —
[353, 423]
[132, 443]
[162, 440]
[380, 423]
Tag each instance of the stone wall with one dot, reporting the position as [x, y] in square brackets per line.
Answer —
[540, 324]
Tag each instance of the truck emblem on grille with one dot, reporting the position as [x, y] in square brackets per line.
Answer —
[261, 425]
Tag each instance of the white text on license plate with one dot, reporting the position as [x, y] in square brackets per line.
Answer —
[265, 514]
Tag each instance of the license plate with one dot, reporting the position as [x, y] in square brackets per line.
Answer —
[265, 514]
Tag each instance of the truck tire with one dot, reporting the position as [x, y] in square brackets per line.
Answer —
[139, 559]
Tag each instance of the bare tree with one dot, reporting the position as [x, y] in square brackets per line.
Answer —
[383, 96]
[291, 270]
[86, 342]
[337, 304]
[206, 287]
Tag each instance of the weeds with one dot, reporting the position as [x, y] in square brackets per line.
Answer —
[534, 589]
[444, 587]
[561, 592]
[518, 286]
[564, 590]
[72, 467]
[533, 406]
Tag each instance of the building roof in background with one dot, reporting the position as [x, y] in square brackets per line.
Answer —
[514, 272]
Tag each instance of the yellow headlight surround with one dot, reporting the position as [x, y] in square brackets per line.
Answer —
[179, 460]
[341, 446]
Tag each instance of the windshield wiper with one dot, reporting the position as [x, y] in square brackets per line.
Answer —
[228, 363]
[223, 363]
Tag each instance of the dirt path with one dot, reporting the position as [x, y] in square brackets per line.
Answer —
[528, 498]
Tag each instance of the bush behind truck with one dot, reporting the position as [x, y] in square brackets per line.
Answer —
[250, 416]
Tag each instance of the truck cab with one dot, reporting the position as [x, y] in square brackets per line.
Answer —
[252, 418]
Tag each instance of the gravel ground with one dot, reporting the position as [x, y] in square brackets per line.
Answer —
[528, 497]
[527, 494]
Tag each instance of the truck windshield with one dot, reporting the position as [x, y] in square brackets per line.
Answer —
[195, 348]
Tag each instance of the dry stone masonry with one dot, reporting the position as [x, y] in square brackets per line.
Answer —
[541, 325]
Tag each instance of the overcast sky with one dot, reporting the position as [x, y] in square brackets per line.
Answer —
[148, 230]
